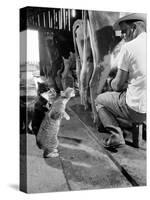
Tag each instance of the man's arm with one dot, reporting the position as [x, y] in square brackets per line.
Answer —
[119, 83]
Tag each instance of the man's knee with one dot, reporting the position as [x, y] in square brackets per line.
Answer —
[102, 98]
[99, 101]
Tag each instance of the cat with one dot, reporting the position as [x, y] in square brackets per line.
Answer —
[44, 100]
[42, 87]
[67, 78]
[47, 136]
[33, 112]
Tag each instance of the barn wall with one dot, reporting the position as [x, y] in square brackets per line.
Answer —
[50, 18]
[23, 47]
[55, 20]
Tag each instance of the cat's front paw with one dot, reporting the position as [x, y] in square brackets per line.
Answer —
[66, 116]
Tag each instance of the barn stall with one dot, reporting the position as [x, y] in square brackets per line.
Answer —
[50, 54]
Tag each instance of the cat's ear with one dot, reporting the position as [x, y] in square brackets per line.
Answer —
[45, 95]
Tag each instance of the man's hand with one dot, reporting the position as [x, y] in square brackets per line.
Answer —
[108, 82]
[119, 83]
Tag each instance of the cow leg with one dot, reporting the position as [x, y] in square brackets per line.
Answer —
[87, 67]
[97, 82]
[85, 77]
[77, 27]
[78, 70]
[83, 65]
[79, 57]
[65, 72]
[93, 94]
[94, 78]
[54, 80]
[101, 68]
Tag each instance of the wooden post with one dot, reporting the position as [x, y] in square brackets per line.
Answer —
[34, 17]
[59, 13]
[137, 132]
[57, 20]
[69, 19]
[49, 19]
[54, 19]
[53, 26]
[41, 20]
[38, 16]
[61, 18]
[33, 20]
[64, 17]
[82, 14]
[44, 20]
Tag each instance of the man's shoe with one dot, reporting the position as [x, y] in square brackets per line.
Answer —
[114, 141]
[52, 154]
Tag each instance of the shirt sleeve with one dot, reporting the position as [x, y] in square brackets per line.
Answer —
[124, 59]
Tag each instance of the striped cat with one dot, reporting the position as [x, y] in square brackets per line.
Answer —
[47, 136]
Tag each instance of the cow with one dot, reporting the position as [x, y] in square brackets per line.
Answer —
[84, 60]
[50, 59]
[94, 41]
[67, 76]
[55, 46]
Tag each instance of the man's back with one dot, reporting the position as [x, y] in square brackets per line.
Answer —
[133, 60]
[138, 49]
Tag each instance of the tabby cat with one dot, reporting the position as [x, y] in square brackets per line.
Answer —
[47, 136]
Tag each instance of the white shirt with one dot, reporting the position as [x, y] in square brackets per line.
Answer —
[132, 58]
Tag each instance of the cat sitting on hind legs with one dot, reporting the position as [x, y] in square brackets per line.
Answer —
[47, 137]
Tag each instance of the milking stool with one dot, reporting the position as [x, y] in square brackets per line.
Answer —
[138, 131]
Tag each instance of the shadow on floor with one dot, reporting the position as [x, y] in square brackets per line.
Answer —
[14, 186]
[81, 163]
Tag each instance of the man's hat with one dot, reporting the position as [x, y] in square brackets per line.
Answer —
[130, 17]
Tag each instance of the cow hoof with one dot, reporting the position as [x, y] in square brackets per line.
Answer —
[85, 107]
[96, 121]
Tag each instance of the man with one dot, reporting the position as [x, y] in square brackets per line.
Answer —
[127, 101]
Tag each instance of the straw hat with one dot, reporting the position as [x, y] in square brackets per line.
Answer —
[134, 16]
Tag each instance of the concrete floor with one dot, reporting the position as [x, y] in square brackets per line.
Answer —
[83, 162]
[131, 161]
